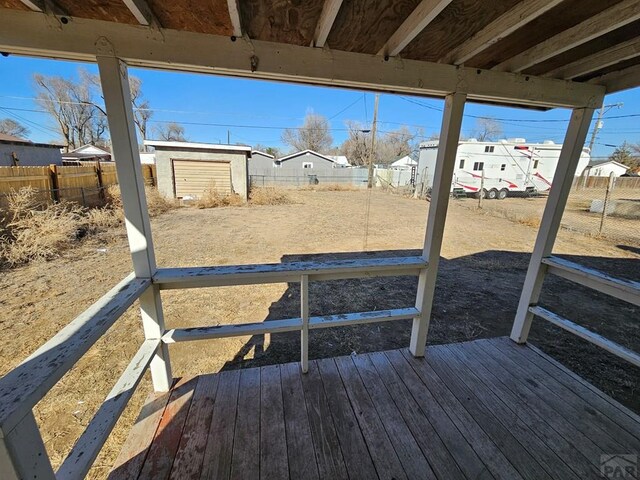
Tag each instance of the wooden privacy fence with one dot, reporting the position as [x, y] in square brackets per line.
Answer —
[84, 184]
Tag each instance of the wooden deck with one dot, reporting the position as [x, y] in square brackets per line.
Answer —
[476, 410]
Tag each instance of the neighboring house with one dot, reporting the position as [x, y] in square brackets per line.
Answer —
[147, 158]
[15, 151]
[189, 170]
[307, 159]
[340, 160]
[260, 162]
[86, 153]
[603, 168]
[405, 163]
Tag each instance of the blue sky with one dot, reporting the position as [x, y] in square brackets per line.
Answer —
[254, 112]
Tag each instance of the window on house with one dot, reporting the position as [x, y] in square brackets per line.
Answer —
[503, 167]
[277, 163]
[488, 148]
[461, 164]
[478, 166]
[307, 164]
[535, 164]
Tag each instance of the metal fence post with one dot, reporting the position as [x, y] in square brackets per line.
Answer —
[605, 206]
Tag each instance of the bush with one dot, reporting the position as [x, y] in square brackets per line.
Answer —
[213, 199]
[33, 231]
[269, 196]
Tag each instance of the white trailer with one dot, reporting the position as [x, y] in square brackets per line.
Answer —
[510, 167]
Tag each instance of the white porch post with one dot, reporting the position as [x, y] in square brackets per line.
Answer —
[304, 314]
[124, 144]
[443, 174]
[562, 180]
[22, 452]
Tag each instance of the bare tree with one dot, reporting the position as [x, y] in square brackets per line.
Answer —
[390, 146]
[313, 134]
[487, 129]
[72, 105]
[275, 151]
[11, 127]
[170, 132]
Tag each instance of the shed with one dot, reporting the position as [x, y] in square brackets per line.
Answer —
[16, 151]
[188, 170]
[87, 153]
[306, 159]
[604, 168]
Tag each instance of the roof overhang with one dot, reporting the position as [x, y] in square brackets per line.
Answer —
[32, 33]
[167, 145]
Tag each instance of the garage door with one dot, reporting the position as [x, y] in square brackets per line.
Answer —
[194, 177]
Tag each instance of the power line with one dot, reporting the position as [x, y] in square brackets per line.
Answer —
[346, 108]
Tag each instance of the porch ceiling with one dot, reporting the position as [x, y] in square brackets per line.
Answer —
[525, 52]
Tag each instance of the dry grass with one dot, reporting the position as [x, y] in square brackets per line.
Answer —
[33, 231]
[213, 199]
[331, 187]
[269, 196]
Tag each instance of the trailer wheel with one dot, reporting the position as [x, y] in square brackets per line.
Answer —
[492, 194]
[481, 194]
[502, 194]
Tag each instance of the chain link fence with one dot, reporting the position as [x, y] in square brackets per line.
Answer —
[605, 206]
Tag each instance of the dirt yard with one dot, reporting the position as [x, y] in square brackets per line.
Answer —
[485, 258]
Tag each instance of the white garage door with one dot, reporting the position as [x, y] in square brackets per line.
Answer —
[194, 177]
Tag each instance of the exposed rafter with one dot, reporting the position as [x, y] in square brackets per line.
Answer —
[421, 16]
[612, 18]
[35, 5]
[234, 15]
[140, 9]
[29, 33]
[327, 17]
[507, 23]
[619, 80]
[604, 58]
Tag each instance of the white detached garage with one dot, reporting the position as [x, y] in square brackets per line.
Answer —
[188, 170]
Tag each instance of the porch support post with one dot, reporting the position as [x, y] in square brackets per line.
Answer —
[304, 314]
[567, 163]
[124, 144]
[22, 452]
[442, 177]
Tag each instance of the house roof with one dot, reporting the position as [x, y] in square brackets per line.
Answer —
[599, 162]
[405, 161]
[263, 153]
[86, 151]
[304, 152]
[13, 140]
[160, 144]
[340, 160]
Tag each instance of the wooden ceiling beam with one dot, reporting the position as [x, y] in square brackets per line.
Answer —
[604, 58]
[141, 10]
[35, 5]
[30, 33]
[416, 22]
[610, 19]
[619, 80]
[507, 23]
[329, 13]
[234, 15]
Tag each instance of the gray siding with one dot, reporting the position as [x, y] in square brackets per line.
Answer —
[295, 163]
[164, 168]
[29, 155]
[259, 163]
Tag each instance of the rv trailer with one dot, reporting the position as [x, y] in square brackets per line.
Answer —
[511, 167]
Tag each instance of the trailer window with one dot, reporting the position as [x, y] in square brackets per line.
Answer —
[503, 167]
[535, 164]
[478, 166]
[488, 149]
[461, 165]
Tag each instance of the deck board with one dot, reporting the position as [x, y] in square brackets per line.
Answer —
[484, 409]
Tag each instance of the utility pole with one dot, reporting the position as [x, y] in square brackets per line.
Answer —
[228, 137]
[373, 141]
[604, 109]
